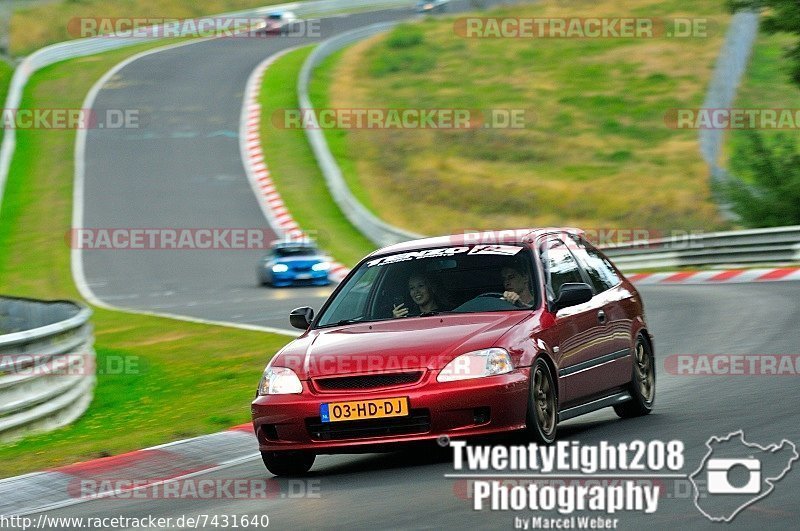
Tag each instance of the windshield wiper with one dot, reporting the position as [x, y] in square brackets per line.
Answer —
[349, 321]
[435, 312]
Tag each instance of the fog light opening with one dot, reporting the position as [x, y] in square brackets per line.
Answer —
[481, 415]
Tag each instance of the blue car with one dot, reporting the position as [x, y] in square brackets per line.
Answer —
[293, 263]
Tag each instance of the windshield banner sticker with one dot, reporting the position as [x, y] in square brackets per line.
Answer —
[502, 250]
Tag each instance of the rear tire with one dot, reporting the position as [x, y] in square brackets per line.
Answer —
[542, 418]
[643, 382]
[288, 463]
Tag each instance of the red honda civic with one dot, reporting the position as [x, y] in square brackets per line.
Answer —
[451, 337]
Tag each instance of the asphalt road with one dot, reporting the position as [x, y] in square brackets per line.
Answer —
[409, 490]
[182, 168]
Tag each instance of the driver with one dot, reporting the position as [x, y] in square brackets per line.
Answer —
[517, 286]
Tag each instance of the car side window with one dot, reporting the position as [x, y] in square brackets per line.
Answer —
[559, 266]
[599, 269]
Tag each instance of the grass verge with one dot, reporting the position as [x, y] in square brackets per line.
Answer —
[294, 169]
[183, 379]
[595, 150]
[6, 71]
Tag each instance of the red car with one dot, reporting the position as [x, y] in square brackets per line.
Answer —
[448, 337]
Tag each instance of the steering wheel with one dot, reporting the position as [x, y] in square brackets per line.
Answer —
[490, 294]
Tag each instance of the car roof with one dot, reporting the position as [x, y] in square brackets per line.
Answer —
[504, 236]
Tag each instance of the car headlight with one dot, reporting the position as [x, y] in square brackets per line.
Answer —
[280, 268]
[321, 266]
[477, 364]
[279, 381]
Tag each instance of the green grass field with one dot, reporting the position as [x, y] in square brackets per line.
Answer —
[6, 71]
[766, 86]
[595, 150]
[189, 379]
[294, 170]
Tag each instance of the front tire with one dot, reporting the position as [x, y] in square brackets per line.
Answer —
[288, 463]
[542, 418]
[643, 383]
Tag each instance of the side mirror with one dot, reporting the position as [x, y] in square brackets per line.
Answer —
[301, 317]
[572, 294]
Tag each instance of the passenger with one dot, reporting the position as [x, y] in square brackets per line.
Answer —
[424, 294]
[517, 286]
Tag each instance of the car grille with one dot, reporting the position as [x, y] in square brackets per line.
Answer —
[418, 421]
[367, 381]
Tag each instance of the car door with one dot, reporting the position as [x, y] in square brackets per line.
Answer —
[617, 305]
[584, 337]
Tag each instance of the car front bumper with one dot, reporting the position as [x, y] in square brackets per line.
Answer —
[289, 278]
[467, 408]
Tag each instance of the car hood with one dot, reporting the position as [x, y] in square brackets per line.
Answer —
[396, 345]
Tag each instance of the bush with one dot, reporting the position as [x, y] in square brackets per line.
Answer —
[769, 193]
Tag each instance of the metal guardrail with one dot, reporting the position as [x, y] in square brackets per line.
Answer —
[375, 229]
[92, 45]
[47, 365]
[780, 245]
[729, 69]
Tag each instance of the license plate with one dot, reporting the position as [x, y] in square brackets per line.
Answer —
[303, 276]
[364, 409]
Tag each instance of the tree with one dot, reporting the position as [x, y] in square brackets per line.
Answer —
[769, 196]
[780, 16]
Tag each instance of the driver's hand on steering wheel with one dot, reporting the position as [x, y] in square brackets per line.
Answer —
[400, 310]
[511, 296]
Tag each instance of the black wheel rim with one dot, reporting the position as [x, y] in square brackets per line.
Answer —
[645, 373]
[544, 400]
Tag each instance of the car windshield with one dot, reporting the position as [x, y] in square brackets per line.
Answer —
[275, 16]
[285, 252]
[458, 279]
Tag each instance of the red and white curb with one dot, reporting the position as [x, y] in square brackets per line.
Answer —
[273, 207]
[122, 475]
[730, 276]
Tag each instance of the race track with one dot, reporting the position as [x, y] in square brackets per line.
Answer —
[408, 489]
[184, 170]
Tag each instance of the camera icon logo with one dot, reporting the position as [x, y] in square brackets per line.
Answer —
[736, 473]
[719, 482]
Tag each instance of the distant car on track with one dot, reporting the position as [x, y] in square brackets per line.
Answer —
[365, 377]
[278, 21]
[293, 263]
[432, 6]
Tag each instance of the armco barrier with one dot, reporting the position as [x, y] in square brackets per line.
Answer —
[377, 230]
[730, 67]
[779, 245]
[93, 45]
[47, 365]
